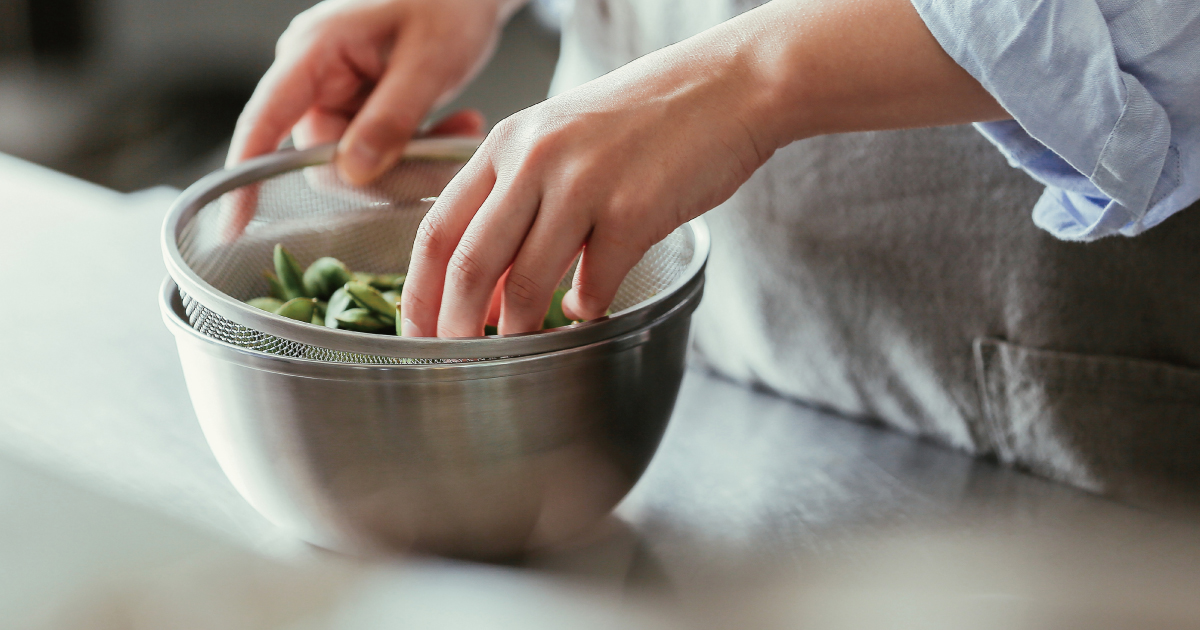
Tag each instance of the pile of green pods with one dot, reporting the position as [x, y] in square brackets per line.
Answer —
[329, 294]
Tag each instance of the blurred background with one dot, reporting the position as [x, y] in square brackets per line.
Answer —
[131, 94]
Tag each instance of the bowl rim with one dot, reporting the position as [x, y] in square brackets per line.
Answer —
[212, 186]
[170, 306]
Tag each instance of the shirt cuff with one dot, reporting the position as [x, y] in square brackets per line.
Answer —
[1088, 130]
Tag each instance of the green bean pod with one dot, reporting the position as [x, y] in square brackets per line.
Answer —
[291, 276]
[300, 309]
[325, 276]
[275, 287]
[339, 303]
[361, 320]
[389, 281]
[381, 281]
[268, 304]
[370, 298]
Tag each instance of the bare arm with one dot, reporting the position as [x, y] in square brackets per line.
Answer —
[613, 166]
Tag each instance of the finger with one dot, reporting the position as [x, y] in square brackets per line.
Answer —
[283, 95]
[607, 259]
[464, 122]
[392, 114]
[238, 207]
[552, 243]
[484, 252]
[493, 317]
[319, 126]
[436, 240]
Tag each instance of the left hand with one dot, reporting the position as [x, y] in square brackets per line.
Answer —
[608, 169]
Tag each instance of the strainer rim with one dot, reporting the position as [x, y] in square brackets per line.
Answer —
[212, 186]
[315, 368]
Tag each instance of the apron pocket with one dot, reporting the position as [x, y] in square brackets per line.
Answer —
[1124, 427]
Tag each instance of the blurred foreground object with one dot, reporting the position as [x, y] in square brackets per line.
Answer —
[1093, 572]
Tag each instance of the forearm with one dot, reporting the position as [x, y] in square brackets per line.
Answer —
[813, 67]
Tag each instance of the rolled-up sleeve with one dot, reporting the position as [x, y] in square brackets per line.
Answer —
[1105, 99]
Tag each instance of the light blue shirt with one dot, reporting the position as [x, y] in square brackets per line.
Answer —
[1105, 96]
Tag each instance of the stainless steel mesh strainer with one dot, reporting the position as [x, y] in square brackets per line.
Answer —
[296, 198]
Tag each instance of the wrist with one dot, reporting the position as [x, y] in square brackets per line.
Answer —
[823, 66]
[771, 73]
[746, 57]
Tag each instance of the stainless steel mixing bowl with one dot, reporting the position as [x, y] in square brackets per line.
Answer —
[479, 460]
[364, 442]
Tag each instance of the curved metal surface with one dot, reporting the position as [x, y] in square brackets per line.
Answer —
[214, 185]
[481, 460]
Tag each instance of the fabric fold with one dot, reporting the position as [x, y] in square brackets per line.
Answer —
[1092, 95]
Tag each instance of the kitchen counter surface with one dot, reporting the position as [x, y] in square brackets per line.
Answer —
[95, 413]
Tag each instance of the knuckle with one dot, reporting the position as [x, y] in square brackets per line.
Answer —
[412, 301]
[512, 127]
[575, 190]
[543, 150]
[400, 124]
[465, 270]
[503, 130]
[302, 27]
[623, 212]
[385, 130]
[431, 234]
[521, 289]
[592, 302]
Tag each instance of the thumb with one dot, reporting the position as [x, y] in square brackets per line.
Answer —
[376, 137]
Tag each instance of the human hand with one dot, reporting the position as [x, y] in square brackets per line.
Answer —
[613, 166]
[367, 72]
[608, 169]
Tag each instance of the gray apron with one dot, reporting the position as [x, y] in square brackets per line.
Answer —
[897, 277]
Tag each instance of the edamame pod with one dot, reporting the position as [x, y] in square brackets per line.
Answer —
[370, 298]
[325, 276]
[291, 276]
[389, 281]
[381, 281]
[339, 303]
[361, 320]
[268, 304]
[275, 287]
[300, 309]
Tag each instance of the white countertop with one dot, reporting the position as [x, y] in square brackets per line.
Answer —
[108, 492]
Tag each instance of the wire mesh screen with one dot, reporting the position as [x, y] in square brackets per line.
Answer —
[229, 243]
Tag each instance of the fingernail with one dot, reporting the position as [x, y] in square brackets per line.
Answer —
[359, 161]
[409, 329]
[566, 308]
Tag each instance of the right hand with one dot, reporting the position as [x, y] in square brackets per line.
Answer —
[367, 72]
